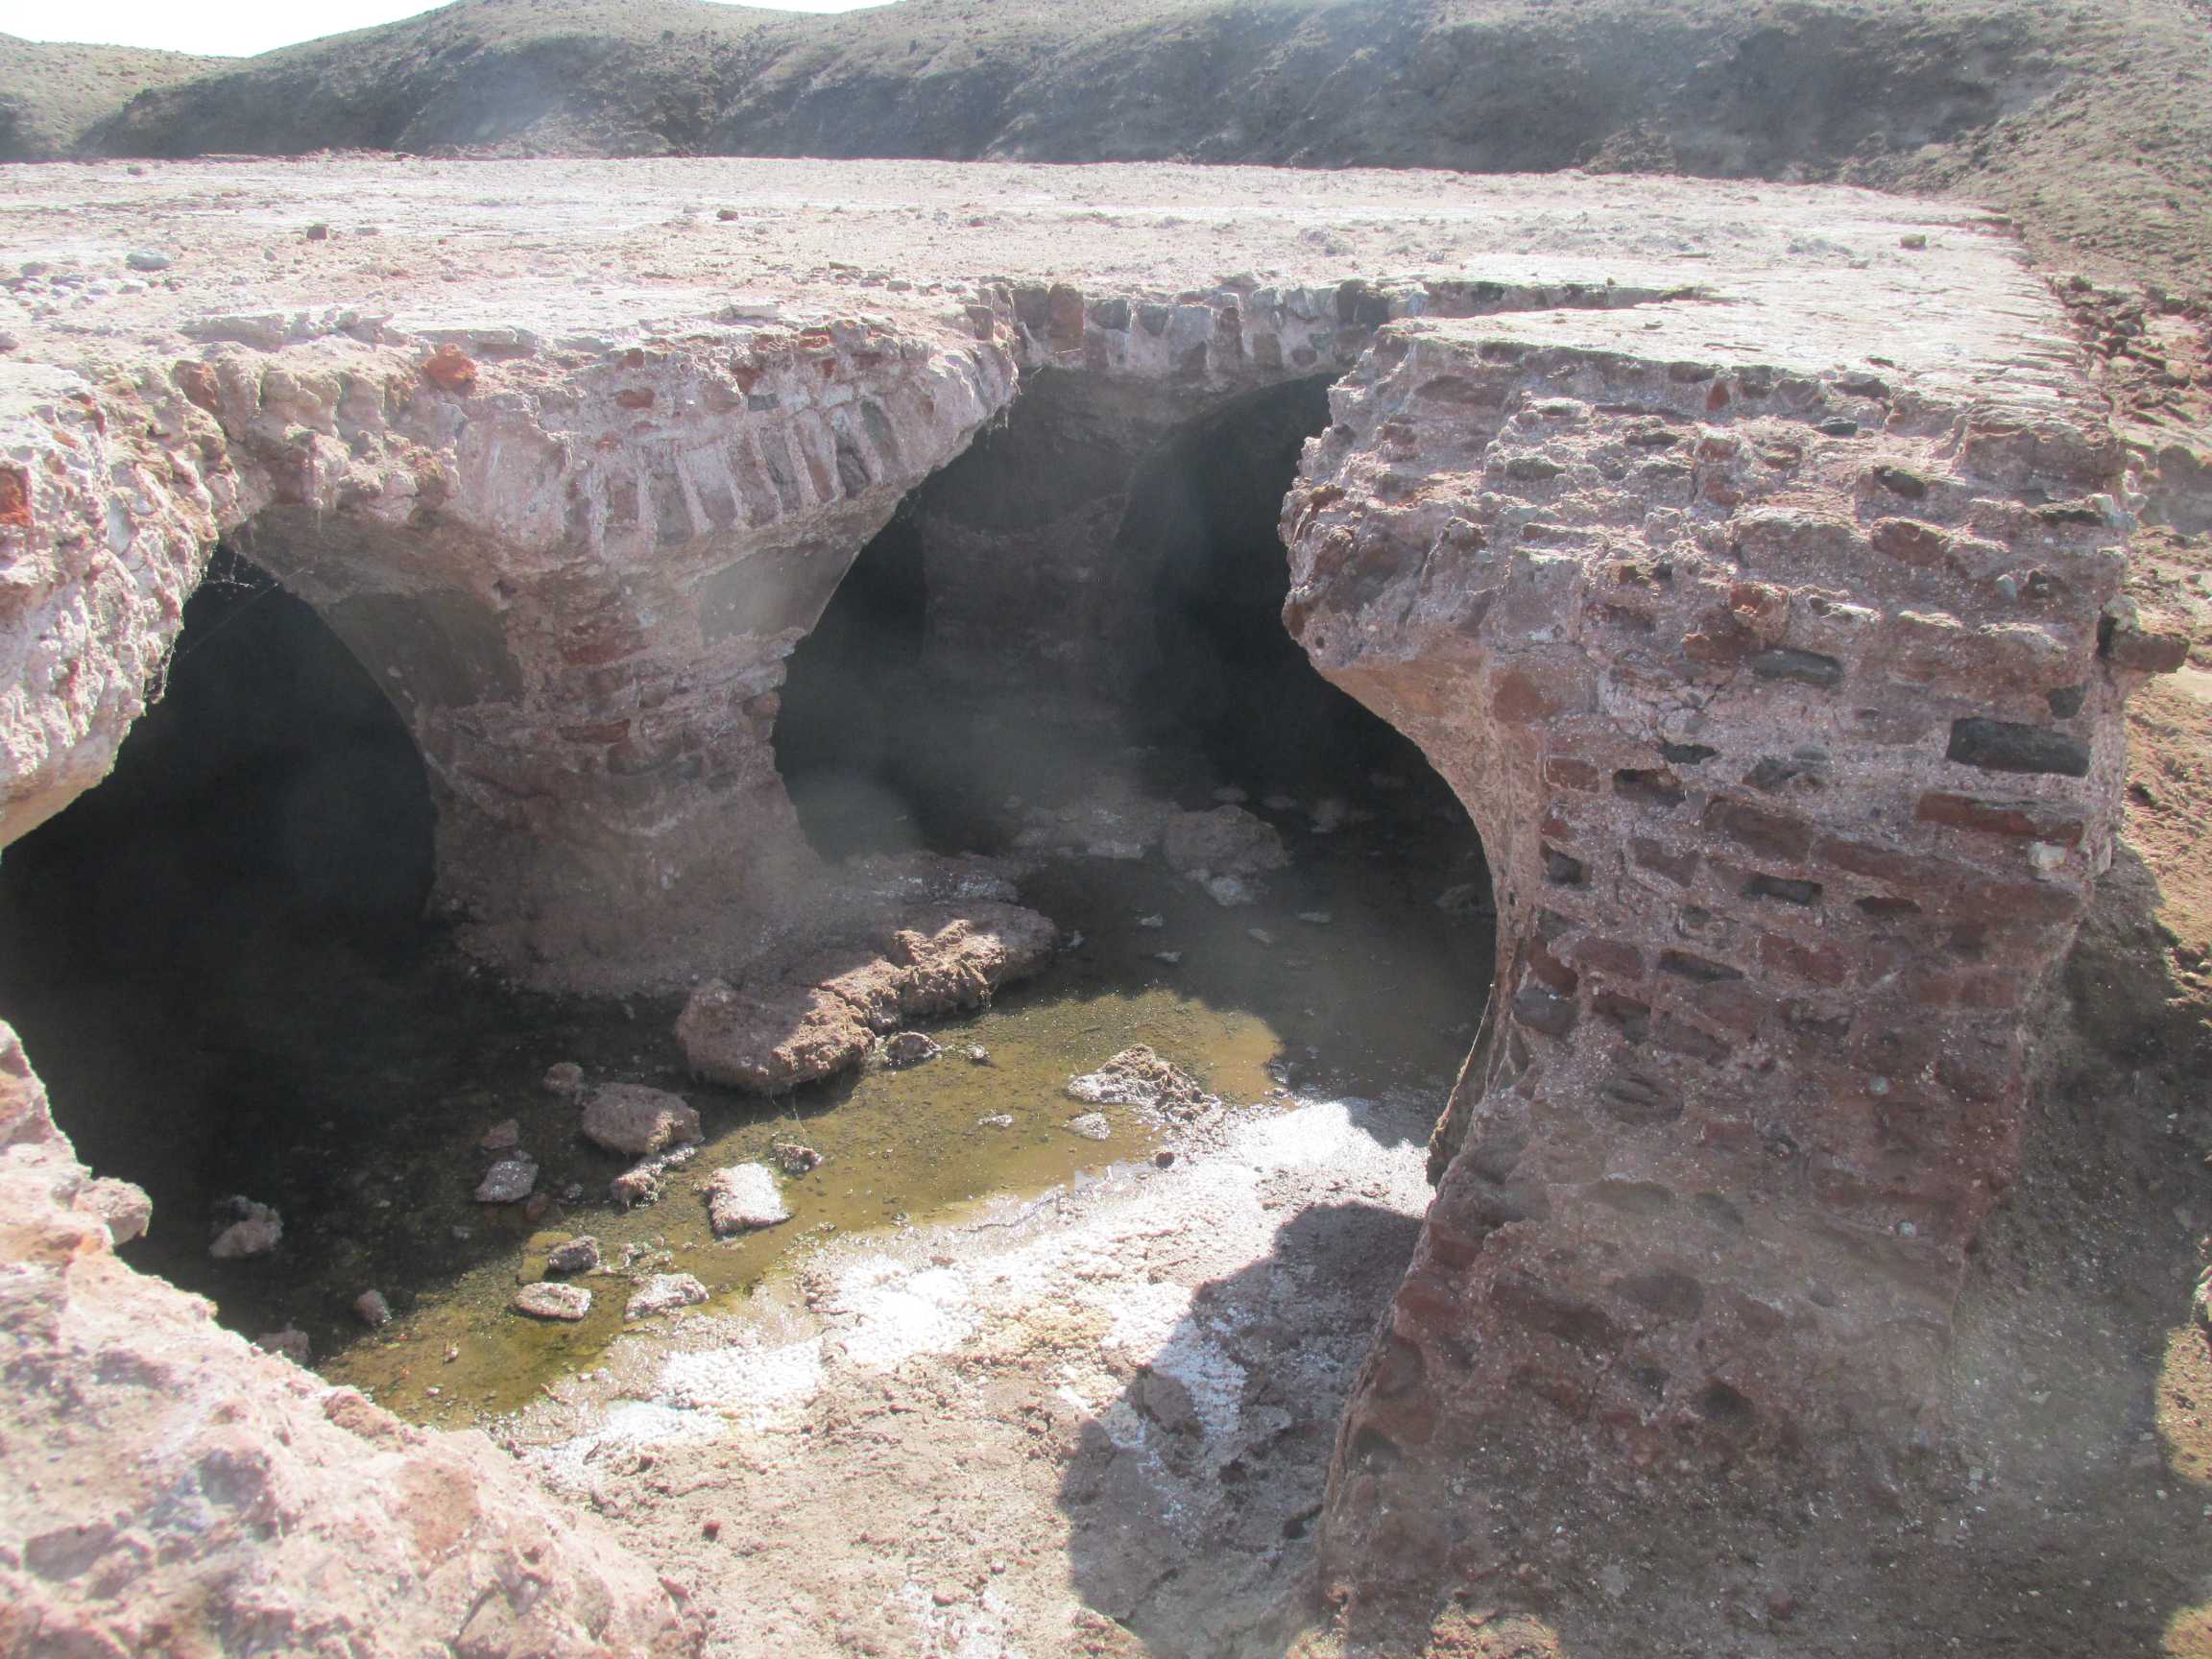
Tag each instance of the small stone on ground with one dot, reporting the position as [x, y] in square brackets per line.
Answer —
[550, 1301]
[664, 1293]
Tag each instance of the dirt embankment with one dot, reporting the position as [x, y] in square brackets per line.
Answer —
[2088, 122]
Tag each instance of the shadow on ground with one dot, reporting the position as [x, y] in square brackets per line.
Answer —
[1191, 1499]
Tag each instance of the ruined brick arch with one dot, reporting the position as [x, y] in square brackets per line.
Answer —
[1788, 707]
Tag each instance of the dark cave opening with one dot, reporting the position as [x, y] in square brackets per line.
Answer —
[970, 660]
[188, 949]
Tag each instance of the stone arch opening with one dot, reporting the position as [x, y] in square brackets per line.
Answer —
[1068, 648]
[175, 943]
[1107, 563]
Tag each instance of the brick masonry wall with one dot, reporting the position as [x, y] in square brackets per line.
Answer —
[1788, 705]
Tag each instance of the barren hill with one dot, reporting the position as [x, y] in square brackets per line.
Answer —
[50, 92]
[2089, 121]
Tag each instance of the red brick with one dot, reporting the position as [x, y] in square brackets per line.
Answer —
[1548, 968]
[1776, 834]
[197, 381]
[452, 369]
[1909, 872]
[1822, 964]
[1911, 542]
[1677, 867]
[1613, 957]
[1519, 700]
[1564, 772]
[2029, 819]
[14, 498]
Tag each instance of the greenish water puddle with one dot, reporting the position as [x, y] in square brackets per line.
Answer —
[351, 1091]
[896, 1145]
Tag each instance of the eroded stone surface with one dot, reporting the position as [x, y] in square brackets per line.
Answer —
[822, 1018]
[185, 1483]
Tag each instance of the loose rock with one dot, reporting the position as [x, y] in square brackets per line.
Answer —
[507, 1182]
[909, 1049]
[664, 1293]
[501, 1137]
[580, 1255]
[291, 1342]
[372, 1309]
[1091, 1126]
[544, 1300]
[744, 1198]
[794, 1157]
[254, 1230]
[565, 1080]
[1226, 842]
[126, 1209]
[1139, 1077]
[632, 1119]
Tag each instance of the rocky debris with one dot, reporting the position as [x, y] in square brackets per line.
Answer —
[1139, 1077]
[638, 1121]
[371, 1308]
[909, 1049]
[976, 1054]
[823, 1018]
[578, 1255]
[1230, 890]
[1172, 958]
[1315, 917]
[126, 1209]
[1227, 845]
[1115, 821]
[1152, 921]
[291, 1342]
[794, 1157]
[508, 1181]
[548, 1300]
[664, 1293]
[1091, 1126]
[253, 1230]
[996, 1120]
[770, 1039]
[1329, 815]
[503, 1135]
[640, 1183]
[1259, 937]
[563, 1080]
[146, 259]
[744, 1198]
